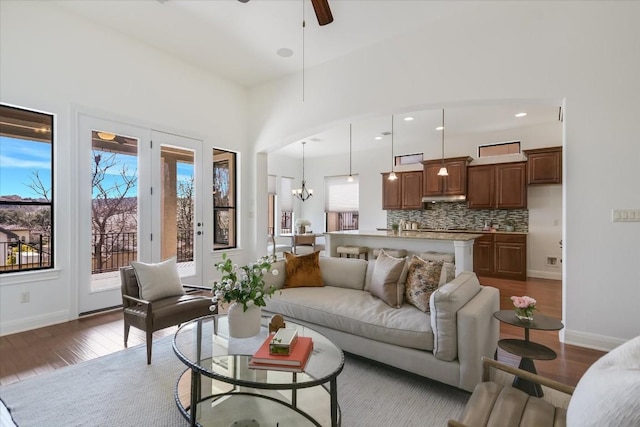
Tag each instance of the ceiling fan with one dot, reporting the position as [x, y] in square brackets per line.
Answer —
[321, 7]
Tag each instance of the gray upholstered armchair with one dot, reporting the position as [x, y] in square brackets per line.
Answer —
[151, 316]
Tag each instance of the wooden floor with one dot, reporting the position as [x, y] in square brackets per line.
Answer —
[27, 354]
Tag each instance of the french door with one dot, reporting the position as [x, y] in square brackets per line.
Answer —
[137, 201]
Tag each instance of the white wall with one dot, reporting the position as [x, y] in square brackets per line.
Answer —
[582, 52]
[56, 62]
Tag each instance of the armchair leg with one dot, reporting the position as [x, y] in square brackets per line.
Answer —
[149, 343]
[126, 333]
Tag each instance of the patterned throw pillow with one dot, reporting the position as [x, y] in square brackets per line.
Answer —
[387, 278]
[303, 270]
[423, 279]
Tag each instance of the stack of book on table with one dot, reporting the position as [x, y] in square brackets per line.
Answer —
[283, 351]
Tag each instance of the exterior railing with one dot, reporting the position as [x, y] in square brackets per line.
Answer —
[17, 256]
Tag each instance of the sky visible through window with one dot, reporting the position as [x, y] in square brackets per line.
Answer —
[19, 159]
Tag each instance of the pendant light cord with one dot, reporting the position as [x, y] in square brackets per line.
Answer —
[349, 149]
[443, 137]
[392, 159]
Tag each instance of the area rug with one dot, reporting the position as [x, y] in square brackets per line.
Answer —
[120, 389]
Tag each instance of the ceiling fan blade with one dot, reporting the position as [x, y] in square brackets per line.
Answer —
[323, 12]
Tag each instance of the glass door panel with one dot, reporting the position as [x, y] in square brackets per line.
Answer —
[177, 169]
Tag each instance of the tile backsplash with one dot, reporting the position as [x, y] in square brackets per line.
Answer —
[449, 215]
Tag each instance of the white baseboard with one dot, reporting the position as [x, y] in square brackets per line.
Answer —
[28, 323]
[544, 274]
[596, 342]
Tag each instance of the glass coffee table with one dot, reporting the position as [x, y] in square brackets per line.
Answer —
[218, 388]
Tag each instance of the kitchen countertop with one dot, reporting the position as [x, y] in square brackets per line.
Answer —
[410, 234]
[433, 230]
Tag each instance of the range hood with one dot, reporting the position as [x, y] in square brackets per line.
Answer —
[433, 199]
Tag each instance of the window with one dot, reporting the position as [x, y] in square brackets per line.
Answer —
[271, 204]
[408, 159]
[499, 149]
[224, 199]
[26, 190]
[341, 203]
[286, 205]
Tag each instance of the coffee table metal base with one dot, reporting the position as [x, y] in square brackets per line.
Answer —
[250, 406]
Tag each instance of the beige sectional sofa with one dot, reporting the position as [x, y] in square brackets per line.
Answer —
[445, 345]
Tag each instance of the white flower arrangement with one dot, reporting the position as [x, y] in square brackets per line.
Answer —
[300, 222]
[243, 285]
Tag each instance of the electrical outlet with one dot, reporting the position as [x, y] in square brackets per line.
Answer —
[25, 297]
[552, 261]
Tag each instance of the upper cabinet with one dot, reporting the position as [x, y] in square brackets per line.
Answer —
[402, 193]
[497, 186]
[391, 193]
[544, 165]
[455, 184]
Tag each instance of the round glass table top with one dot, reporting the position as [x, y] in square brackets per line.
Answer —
[205, 346]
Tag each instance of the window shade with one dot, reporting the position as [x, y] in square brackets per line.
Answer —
[286, 199]
[340, 195]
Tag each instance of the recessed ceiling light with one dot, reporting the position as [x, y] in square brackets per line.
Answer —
[408, 119]
[521, 114]
[285, 52]
[440, 128]
[378, 137]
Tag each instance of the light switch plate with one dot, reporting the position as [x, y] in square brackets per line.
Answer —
[625, 215]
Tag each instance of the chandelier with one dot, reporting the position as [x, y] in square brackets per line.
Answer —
[302, 193]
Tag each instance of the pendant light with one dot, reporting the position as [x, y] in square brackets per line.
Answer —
[392, 175]
[302, 193]
[443, 170]
[350, 178]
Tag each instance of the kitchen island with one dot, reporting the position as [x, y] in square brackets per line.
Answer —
[413, 241]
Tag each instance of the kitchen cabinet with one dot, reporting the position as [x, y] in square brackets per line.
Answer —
[484, 256]
[497, 186]
[455, 184]
[411, 189]
[391, 193]
[544, 165]
[403, 193]
[501, 255]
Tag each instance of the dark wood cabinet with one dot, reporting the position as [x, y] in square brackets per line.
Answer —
[544, 165]
[455, 184]
[402, 193]
[484, 256]
[391, 193]
[511, 256]
[501, 255]
[411, 188]
[497, 186]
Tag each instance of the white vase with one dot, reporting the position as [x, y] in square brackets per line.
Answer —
[244, 324]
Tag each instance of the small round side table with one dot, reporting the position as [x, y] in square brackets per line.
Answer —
[526, 349]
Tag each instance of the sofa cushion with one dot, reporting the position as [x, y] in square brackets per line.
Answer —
[343, 272]
[302, 270]
[448, 273]
[385, 282]
[448, 266]
[158, 280]
[423, 279]
[445, 303]
[355, 312]
[277, 281]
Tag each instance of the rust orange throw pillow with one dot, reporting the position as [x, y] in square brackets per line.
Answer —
[303, 270]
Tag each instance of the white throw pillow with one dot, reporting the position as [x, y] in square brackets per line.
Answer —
[158, 280]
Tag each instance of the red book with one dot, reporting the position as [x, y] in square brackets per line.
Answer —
[298, 357]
